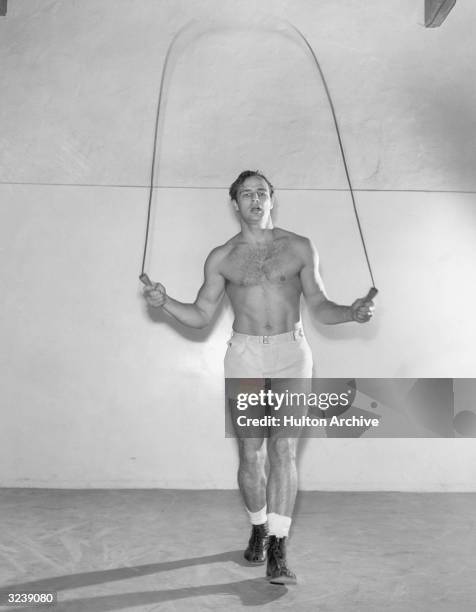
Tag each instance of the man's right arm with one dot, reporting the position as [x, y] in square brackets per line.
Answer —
[200, 313]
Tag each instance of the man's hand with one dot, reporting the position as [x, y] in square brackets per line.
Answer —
[362, 310]
[155, 295]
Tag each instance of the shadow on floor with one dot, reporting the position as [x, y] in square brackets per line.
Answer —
[251, 592]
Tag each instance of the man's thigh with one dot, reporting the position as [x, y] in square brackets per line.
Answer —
[291, 395]
[270, 407]
[247, 413]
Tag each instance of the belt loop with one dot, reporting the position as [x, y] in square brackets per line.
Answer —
[265, 339]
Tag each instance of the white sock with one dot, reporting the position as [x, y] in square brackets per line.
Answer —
[258, 518]
[279, 525]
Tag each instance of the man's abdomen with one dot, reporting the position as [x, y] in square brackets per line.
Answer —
[265, 310]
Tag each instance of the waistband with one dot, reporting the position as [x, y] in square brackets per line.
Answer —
[290, 336]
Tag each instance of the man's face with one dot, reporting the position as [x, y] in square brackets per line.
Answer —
[253, 200]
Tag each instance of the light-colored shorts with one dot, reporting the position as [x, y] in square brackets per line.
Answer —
[285, 355]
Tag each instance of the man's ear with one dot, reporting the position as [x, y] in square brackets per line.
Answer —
[235, 205]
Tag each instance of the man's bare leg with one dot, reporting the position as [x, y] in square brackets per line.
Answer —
[251, 447]
[283, 443]
[251, 472]
[282, 481]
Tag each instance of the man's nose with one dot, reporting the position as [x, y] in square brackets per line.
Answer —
[255, 196]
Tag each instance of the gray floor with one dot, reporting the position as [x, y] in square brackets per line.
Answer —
[182, 550]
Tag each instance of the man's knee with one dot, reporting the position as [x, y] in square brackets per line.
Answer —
[281, 450]
[251, 451]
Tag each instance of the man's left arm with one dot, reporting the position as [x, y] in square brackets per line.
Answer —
[323, 309]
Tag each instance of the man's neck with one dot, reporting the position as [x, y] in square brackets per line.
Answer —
[257, 234]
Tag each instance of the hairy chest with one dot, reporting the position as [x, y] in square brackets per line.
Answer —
[253, 265]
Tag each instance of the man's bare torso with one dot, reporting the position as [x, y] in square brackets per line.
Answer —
[263, 282]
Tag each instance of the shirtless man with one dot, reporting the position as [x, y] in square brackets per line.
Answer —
[264, 270]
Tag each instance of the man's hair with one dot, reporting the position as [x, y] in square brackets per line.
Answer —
[238, 182]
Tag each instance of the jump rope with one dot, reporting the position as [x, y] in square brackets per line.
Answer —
[143, 276]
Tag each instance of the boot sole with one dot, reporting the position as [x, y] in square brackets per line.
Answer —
[281, 580]
[255, 562]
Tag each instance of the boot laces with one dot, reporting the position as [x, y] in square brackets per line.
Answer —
[258, 534]
[278, 554]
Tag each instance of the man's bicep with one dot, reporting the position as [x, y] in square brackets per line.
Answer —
[311, 281]
[211, 292]
[212, 289]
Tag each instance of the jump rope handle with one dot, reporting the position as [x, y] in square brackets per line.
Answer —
[146, 280]
[371, 294]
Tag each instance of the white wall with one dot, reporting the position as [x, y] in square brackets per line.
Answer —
[96, 391]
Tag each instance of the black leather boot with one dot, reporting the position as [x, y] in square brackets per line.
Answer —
[277, 571]
[256, 551]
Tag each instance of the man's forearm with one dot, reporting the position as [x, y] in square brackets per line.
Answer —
[330, 313]
[187, 314]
